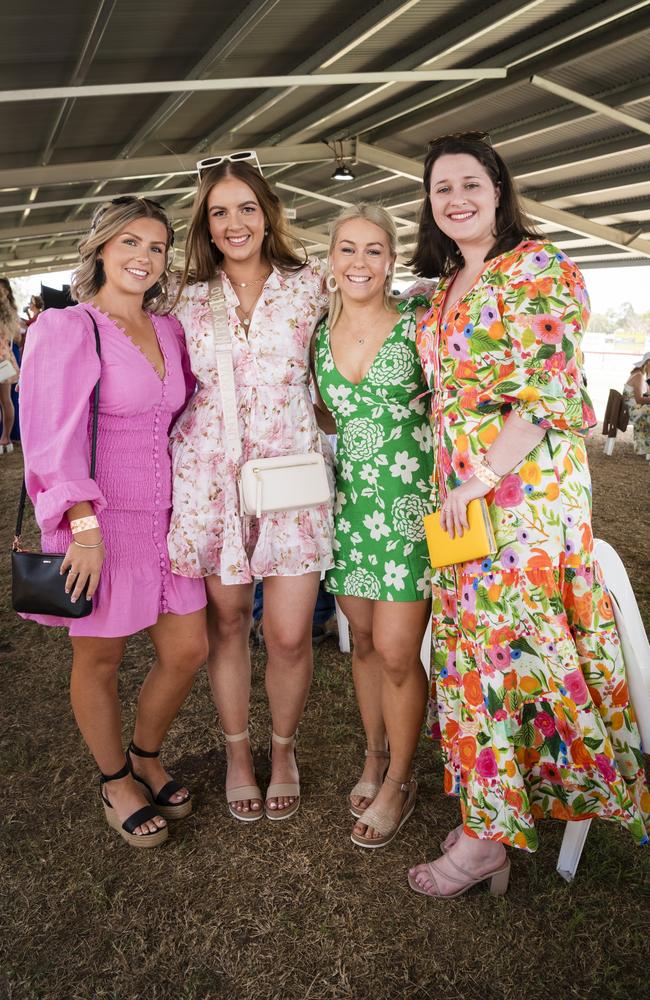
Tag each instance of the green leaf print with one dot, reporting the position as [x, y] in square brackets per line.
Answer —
[481, 343]
[592, 742]
[553, 745]
[523, 645]
[546, 351]
[508, 388]
[567, 347]
[482, 739]
[494, 700]
[527, 338]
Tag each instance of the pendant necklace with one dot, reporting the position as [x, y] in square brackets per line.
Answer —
[246, 284]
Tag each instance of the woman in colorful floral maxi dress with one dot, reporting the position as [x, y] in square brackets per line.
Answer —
[531, 690]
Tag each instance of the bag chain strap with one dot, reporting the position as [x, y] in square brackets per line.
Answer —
[93, 446]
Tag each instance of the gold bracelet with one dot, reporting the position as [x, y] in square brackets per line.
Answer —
[83, 524]
[83, 545]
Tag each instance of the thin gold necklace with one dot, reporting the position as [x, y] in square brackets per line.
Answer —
[245, 284]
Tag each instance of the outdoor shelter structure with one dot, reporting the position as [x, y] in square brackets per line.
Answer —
[105, 97]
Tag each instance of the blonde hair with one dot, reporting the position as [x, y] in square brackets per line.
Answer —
[381, 218]
[110, 219]
[9, 319]
[203, 258]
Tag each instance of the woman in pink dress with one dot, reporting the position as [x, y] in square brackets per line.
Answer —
[273, 299]
[113, 527]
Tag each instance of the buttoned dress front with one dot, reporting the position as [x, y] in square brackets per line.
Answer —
[131, 491]
[275, 414]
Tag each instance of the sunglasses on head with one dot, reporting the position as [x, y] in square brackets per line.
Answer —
[244, 156]
[473, 135]
[128, 199]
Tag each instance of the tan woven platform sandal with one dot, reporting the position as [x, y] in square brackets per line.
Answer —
[282, 789]
[368, 789]
[387, 827]
[243, 792]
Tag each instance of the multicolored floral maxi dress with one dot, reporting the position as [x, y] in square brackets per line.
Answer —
[531, 691]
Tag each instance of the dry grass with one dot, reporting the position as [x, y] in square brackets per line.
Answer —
[288, 911]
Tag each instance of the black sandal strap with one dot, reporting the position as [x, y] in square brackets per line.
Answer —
[164, 795]
[139, 817]
[122, 773]
[142, 753]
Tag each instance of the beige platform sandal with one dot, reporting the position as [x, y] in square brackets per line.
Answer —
[387, 827]
[282, 789]
[243, 792]
[368, 789]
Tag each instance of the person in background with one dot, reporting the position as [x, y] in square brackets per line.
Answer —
[534, 709]
[9, 331]
[113, 528]
[273, 297]
[636, 393]
[370, 382]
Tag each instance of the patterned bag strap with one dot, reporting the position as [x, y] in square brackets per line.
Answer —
[223, 350]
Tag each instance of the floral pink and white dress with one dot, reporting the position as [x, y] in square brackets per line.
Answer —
[207, 535]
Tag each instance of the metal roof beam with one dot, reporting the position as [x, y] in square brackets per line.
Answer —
[595, 28]
[588, 102]
[245, 83]
[468, 30]
[154, 166]
[579, 156]
[94, 199]
[312, 196]
[623, 180]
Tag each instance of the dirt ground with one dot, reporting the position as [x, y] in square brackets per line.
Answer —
[287, 911]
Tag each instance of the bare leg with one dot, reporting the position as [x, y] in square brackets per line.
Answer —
[7, 411]
[181, 648]
[93, 693]
[367, 677]
[397, 637]
[289, 603]
[229, 671]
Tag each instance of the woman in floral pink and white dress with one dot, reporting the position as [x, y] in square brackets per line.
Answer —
[273, 301]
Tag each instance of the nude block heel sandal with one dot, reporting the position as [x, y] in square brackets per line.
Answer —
[282, 789]
[133, 821]
[368, 789]
[498, 879]
[243, 792]
[162, 801]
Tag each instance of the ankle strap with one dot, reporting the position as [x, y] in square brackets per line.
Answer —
[404, 786]
[385, 754]
[236, 737]
[122, 773]
[142, 753]
[283, 739]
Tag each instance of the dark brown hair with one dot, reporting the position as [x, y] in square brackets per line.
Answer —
[203, 258]
[437, 255]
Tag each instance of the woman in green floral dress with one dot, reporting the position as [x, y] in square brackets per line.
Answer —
[371, 383]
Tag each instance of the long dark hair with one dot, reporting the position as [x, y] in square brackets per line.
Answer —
[203, 258]
[437, 255]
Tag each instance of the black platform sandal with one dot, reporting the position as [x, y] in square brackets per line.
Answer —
[170, 810]
[135, 820]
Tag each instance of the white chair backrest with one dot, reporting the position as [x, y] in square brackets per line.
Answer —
[634, 641]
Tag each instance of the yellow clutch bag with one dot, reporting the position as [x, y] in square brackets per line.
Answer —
[476, 542]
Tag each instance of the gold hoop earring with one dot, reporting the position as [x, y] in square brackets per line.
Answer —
[331, 284]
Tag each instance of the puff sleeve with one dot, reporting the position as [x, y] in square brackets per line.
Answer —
[544, 309]
[59, 370]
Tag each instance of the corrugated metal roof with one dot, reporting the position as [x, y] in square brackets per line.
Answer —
[564, 154]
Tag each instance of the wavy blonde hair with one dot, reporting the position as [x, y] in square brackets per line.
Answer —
[9, 319]
[380, 217]
[108, 221]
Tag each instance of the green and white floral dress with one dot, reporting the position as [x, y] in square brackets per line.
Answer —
[383, 469]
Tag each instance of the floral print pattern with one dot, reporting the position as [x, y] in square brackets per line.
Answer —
[640, 419]
[384, 465]
[530, 691]
[276, 417]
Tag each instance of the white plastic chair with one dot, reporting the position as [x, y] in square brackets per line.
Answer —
[636, 656]
[344, 639]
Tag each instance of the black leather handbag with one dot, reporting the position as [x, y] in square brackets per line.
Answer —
[37, 586]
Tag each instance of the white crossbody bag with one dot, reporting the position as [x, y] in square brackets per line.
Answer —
[285, 482]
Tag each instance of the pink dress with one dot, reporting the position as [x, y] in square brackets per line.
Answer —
[276, 417]
[131, 493]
